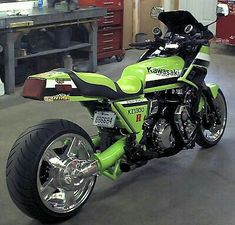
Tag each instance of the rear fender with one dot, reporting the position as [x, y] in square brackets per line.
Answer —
[53, 86]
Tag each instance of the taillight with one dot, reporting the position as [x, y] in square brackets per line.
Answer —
[34, 88]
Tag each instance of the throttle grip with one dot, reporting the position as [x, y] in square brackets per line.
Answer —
[140, 44]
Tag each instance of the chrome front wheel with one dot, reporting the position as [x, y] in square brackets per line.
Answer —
[212, 130]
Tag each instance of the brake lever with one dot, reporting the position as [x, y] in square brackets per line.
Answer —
[197, 36]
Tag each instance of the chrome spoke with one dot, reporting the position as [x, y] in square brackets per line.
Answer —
[48, 189]
[50, 154]
[74, 145]
[53, 159]
[70, 199]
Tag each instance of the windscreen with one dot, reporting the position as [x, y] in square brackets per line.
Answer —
[177, 20]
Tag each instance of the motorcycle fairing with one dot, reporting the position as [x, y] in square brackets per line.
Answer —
[195, 74]
[131, 113]
[156, 74]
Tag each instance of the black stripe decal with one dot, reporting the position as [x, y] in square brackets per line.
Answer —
[201, 62]
[156, 83]
[53, 92]
[134, 104]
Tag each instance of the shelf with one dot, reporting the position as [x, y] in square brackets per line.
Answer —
[57, 50]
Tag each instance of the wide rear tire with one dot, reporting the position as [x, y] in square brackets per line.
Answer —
[32, 180]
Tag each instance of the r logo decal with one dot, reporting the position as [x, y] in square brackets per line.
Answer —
[138, 118]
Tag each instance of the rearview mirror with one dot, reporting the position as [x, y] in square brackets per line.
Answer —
[222, 10]
[155, 12]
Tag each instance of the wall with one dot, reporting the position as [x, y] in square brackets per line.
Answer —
[146, 23]
[128, 23]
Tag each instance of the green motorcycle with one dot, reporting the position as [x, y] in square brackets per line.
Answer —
[160, 106]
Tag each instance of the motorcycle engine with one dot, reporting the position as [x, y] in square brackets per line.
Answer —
[162, 135]
[174, 120]
[184, 123]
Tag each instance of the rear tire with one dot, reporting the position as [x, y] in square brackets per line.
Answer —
[27, 172]
[207, 138]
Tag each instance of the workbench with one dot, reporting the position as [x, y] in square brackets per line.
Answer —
[11, 27]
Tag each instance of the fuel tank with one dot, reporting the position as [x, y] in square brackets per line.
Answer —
[158, 73]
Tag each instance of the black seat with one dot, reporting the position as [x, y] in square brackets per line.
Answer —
[97, 85]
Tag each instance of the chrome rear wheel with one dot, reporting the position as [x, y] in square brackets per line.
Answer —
[60, 188]
[45, 170]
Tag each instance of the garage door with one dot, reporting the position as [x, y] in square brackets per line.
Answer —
[203, 10]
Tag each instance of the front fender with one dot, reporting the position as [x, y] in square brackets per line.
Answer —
[214, 88]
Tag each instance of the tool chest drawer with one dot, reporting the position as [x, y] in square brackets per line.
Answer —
[85, 3]
[110, 29]
[109, 3]
[112, 18]
[109, 46]
[109, 36]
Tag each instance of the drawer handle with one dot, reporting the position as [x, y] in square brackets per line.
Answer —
[110, 13]
[108, 3]
[108, 34]
[108, 41]
[108, 17]
[108, 48]
[111, 21]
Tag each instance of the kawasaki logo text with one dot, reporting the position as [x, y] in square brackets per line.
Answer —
[164, 72]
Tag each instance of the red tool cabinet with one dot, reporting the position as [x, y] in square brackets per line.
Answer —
[225, 29]
[110, 33]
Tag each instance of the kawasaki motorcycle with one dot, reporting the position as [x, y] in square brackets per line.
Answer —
[160, 106]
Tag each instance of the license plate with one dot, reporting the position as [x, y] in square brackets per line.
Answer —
[104, 119]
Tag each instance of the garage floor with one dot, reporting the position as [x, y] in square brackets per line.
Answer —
[195, 187]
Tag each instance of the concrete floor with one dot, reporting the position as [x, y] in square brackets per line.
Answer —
[195, 187]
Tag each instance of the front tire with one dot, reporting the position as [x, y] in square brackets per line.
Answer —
[39, 170]
[210, 134]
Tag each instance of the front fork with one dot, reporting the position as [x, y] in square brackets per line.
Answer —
[210, 91]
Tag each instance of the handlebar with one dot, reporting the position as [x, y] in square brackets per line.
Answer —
[195, 42]
[158, 42]
[161, 42]
[141, 44]
[200, 42]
